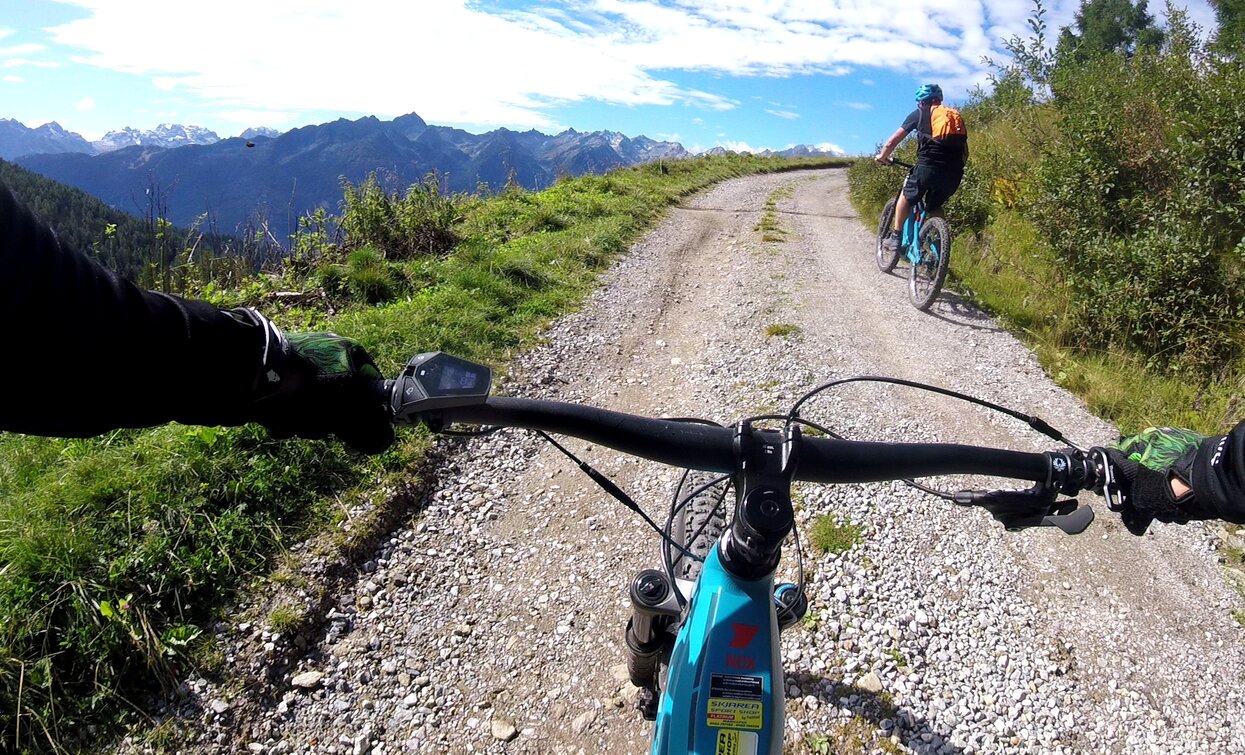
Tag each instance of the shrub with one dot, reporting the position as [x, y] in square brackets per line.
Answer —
[423, 222]
[368, 276]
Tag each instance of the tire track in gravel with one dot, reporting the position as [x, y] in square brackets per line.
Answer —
[493, 622]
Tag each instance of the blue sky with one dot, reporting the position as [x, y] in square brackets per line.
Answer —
[745, 74]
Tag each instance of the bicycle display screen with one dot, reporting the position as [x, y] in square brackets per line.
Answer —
[437, 380]
[452, 377]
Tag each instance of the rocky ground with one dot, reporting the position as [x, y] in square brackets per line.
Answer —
[492, 620]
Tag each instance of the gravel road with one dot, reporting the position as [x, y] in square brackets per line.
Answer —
[492, 621]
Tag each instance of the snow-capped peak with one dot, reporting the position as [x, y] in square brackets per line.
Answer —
[165, 135]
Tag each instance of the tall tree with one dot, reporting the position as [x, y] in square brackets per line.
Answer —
[1230, 39]
[1109, 26]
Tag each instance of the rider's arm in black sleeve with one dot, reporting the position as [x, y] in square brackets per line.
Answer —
[1219, 475]
[87, 351]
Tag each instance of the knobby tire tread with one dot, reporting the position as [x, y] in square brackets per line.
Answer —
[699, 523]
[925, 281]
[886, 259]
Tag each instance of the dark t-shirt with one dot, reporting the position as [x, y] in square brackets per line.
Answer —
[949, 153]
[86, 351]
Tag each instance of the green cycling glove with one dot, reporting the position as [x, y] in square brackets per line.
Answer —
[314, 384]
[1144, 465]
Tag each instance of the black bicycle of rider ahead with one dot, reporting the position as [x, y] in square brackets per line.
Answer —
[703, 644]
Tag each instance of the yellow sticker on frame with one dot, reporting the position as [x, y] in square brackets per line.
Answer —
[735, 714]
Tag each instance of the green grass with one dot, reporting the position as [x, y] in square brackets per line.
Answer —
[769, 227]
[781, 330]
[855, 735]
[116, 549]
[829, 535]
[284, 618]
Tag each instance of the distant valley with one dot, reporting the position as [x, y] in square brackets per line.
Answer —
[264, 176]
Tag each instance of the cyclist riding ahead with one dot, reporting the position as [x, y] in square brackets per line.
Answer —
[942, 150]
[90, 352]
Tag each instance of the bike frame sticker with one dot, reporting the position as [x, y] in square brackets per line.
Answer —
[735, 702]
[731, 742]
[736, 687]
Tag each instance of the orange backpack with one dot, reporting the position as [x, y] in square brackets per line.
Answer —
[946, 121]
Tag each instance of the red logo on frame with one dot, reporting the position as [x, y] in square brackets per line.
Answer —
[743, 634]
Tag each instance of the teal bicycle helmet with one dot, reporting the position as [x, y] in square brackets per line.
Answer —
[928, 92]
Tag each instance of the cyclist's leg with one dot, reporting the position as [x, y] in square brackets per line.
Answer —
[940, 185]
[911, 194]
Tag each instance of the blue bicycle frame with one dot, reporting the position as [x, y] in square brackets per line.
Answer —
[725, 672]
[723, 693]
[909, 241]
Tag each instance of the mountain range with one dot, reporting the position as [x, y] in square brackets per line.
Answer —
[277, 177]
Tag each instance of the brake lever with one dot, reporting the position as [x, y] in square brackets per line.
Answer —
[1036, 507]
[1108, 487]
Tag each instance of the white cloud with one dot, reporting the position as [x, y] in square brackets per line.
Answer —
[858, 105]
[248, 118]
[299, 55]
[454, 61]
[471, 62]
[25, 49]
[739, 146]
[787, 114]
[86, 103]
[20, 62]
[14, 79]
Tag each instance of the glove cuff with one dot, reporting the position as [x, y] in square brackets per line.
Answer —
[275, 354]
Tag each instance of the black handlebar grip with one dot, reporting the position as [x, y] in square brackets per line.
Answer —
[383, 391]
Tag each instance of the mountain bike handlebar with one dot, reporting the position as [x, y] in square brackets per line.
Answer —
[439, 390]
[712, 449]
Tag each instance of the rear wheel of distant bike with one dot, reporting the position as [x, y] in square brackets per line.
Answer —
[926, 276]
[698, 522]
[886, 258]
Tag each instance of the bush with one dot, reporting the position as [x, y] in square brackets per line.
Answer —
[423, 222]
[368, 277]
[1141, 200]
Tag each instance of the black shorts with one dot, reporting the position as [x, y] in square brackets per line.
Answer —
[934, 185]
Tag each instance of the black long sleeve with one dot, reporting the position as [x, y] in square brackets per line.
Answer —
[1219, 475]
[86, 351]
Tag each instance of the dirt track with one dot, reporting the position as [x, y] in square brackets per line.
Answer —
[503, 603]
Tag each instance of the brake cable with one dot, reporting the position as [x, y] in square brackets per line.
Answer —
[1033, 421]
[610, 487]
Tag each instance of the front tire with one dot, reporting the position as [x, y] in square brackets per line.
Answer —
[886, 259]
[698, 523]
[926, 276]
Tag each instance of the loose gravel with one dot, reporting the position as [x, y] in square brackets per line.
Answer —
[493, 620]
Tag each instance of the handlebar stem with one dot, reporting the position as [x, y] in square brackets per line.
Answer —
[764, 516]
